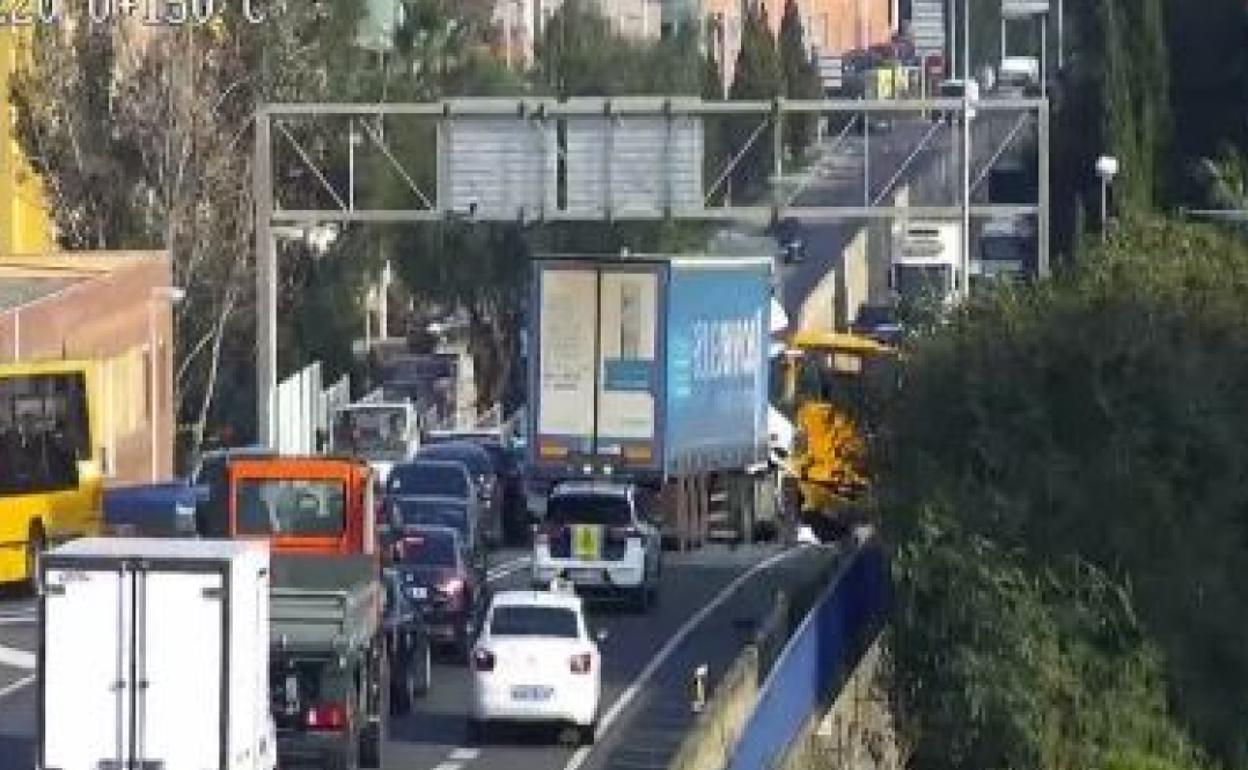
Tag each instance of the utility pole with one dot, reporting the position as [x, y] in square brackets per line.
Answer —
[953, 38]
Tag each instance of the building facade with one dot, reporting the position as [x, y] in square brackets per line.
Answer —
[832, 27]
[113, 308]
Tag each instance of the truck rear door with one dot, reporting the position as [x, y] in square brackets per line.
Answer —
[179, 648]
[85, 670]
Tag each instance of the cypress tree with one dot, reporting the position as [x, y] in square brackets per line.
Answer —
[801, 78]
[757, 76]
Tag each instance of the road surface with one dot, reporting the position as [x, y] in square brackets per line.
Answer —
[709, 601]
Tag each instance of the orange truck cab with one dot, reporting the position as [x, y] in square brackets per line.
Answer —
[304, 505]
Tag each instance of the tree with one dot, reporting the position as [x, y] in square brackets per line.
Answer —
[801, 79]
[757, 76]
[1122, 448]
[715, 157]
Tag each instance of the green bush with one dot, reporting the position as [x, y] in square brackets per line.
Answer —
[1099, 417]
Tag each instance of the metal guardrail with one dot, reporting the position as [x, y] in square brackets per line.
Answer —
[818, 658]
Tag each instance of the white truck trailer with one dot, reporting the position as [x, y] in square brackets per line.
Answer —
[927, 263]
[154, 655]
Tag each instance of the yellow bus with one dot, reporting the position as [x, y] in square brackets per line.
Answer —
[51, 485]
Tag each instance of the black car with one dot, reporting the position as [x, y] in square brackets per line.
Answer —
[442, 577]
[407, 512]
[489, 482]
[407, 646]
[511, 480]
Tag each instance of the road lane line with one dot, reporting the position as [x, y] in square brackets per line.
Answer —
[464, 755]
[626, 697]
[14, 687]
[447, 766]
[16, 621]
[17, 658]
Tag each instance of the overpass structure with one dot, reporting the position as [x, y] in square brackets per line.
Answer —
[538, 160]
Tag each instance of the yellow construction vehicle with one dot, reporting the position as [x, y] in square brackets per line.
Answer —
[827, 379]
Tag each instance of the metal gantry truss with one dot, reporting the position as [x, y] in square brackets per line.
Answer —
[594, 147]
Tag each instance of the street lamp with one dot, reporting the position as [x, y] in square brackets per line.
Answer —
[1106, 169]
[173, 295]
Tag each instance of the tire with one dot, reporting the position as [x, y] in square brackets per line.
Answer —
[478, 731]
[371, 741]
[424, 670]
[373, 734]
[402, 690]
[641, 598]
[587, 734]
[36, 543]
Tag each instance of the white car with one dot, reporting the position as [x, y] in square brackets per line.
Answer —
[536, 662]
[596, 535]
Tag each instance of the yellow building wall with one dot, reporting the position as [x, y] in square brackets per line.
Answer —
[25, 222]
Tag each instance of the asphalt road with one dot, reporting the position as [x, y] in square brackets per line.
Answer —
[896, 157]
[709, 601]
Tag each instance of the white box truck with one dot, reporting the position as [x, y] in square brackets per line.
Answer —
[154, 655]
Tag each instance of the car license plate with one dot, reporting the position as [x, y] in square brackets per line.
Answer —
[586, 541]
[420, 592]
[585, 575]
[531, 693]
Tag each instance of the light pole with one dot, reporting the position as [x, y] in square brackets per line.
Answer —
[173, 295]
[1106, 169]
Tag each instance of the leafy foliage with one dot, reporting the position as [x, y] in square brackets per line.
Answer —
[801, 79]
[1097, 418]
[757, 75]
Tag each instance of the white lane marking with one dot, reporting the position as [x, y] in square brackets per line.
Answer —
[9, 689]
[18, 621]
[448, 766]
[511, 567]
[464, 755]
[626, 697]
[17, 658]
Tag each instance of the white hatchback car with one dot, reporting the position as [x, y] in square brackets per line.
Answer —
[536, 662]
[597, 536]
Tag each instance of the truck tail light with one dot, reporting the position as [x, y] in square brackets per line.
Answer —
[582, 663]
[328, 717]
[482, 660]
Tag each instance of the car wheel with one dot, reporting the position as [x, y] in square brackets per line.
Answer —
[424, 672]
[587, 734]
[35, 545]
[641, 598]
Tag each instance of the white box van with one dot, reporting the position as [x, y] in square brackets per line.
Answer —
[154, 655]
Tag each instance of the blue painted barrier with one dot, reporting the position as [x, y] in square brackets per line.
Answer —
[818, 659]
[151, 510]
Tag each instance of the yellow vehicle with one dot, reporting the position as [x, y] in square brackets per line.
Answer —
[51, 487]
[827, 381]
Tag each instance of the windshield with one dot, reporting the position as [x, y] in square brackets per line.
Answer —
[917, 281]
[412, 513]
[309, 507]
[534, 621]
[1002, 248]
[375, 431]
[442, 480]
[608, 510]
[427, 549]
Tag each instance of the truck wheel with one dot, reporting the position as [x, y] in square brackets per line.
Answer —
[371, 739]
[35, 545]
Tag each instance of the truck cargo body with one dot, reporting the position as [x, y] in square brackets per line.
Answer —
[648, 369]
[154, 656]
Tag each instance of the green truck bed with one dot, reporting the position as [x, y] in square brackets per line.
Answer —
[324, 603]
